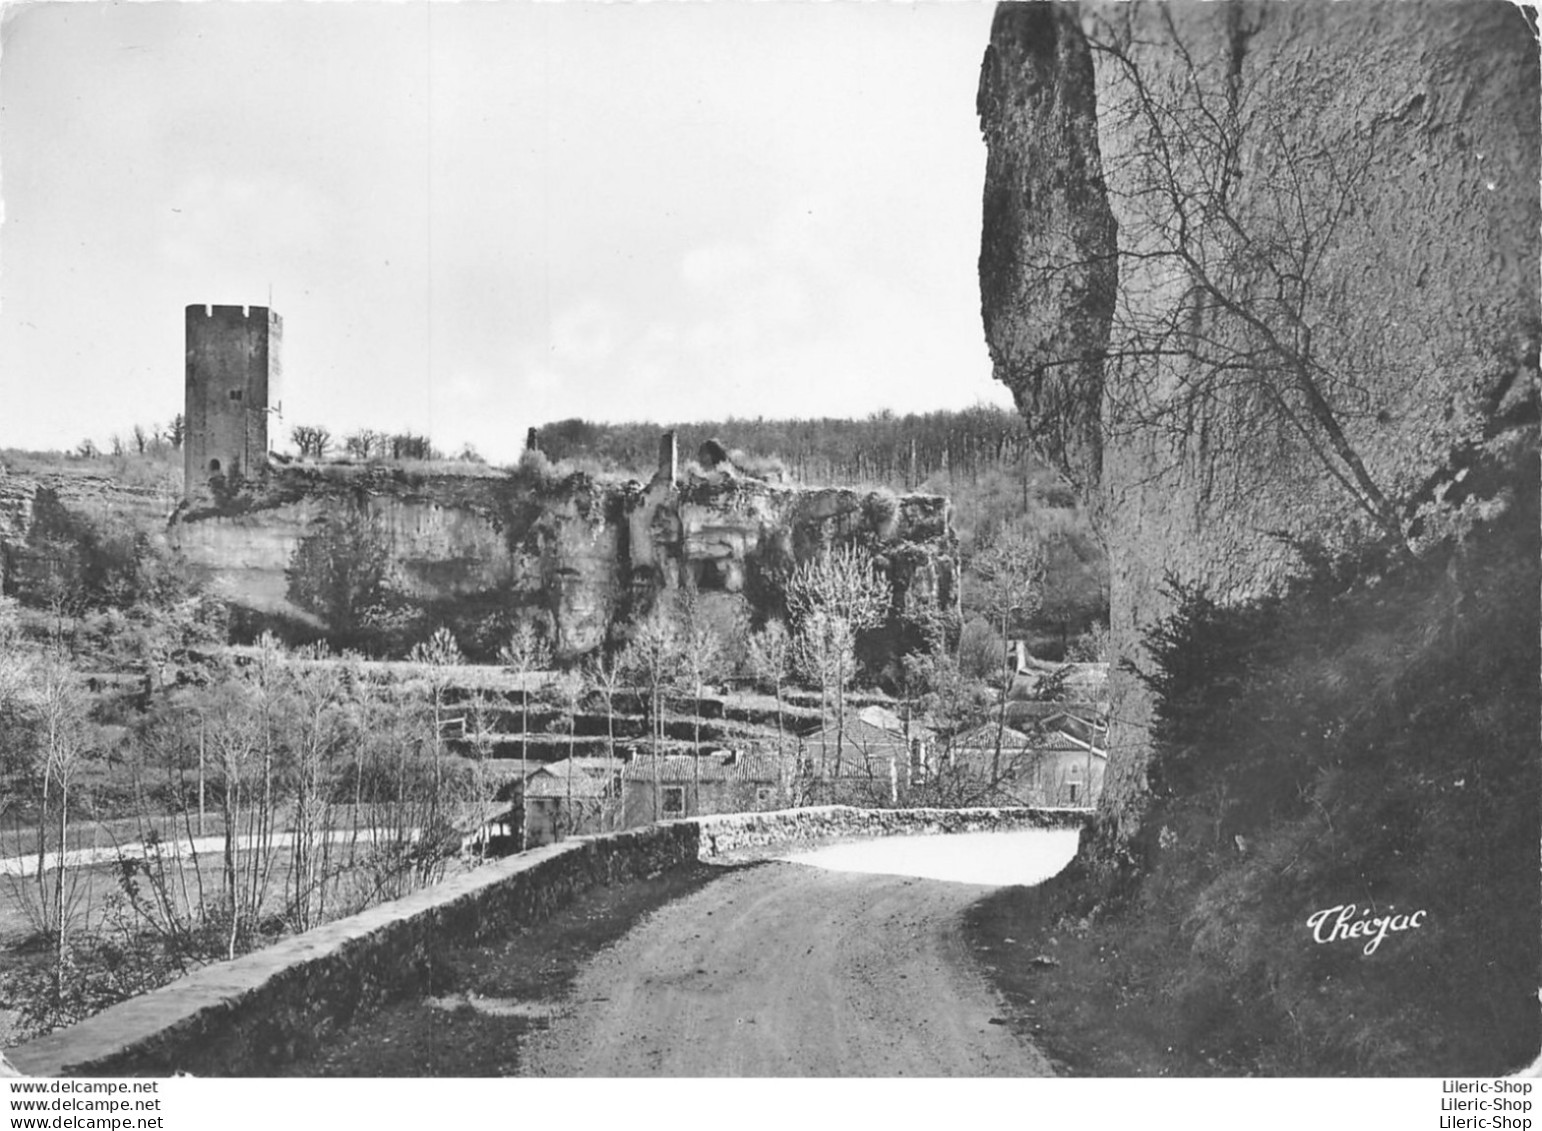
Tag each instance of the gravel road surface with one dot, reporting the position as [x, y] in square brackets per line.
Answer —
[795, 969]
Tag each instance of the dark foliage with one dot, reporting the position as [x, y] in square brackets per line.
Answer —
[80, 561]
[899, 451]
[339, 571]
[1369, 737]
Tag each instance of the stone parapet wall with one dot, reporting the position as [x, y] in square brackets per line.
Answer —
[280, 1003]
[283, 1002]
[746, 832]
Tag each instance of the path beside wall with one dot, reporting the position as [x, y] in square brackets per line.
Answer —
[268, 1007]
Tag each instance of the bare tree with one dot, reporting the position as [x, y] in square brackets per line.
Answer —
[771, 658]
[700, 651]
[1012, 573]
[653, 658]
[569, 687]
[438, 655]
[483, 712]
[605, 675]
[233, 732]
[312, 440]
[318, 735]
[410, 445]
[268, 677]
[833, 598]
[62, 730]
[365, 443]
[524, 654]
[44, 713]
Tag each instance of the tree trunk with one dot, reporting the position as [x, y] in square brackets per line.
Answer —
[781, 783]
[840, 713]
[200, 775]
[524, 764]
[230, 807]
[59, 939]
[696, 752]
[610, 760]
[42, 845]
[1001, 717]
[572, 727]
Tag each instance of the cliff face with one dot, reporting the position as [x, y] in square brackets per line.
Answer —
[578, 557]
[1258, 272]
[32, 503]
[440, 544]
[16, 501]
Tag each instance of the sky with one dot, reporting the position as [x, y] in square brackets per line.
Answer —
[478, 217]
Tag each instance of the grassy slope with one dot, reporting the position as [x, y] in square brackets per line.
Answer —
[1382, 750]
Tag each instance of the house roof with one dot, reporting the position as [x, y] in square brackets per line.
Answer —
[1082, 719]
[882, 718]
[547, 784]
[894, 723]
[1083, 725]
[591, 767]
[725, 767]
[1032, 709]
[1060, 742]
[982, 741]
[860, 735]
[984, 737]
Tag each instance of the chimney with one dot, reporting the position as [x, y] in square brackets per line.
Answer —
[669, 458]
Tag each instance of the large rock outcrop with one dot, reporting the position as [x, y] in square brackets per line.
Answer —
[36, 507]
[1262, 272]
[581, 557]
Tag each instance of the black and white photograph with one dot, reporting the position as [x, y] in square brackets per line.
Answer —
[727, 539]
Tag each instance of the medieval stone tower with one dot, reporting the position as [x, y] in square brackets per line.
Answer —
[233, 384]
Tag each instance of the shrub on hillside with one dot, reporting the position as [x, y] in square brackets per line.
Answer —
[1368, 738]
[77, 562]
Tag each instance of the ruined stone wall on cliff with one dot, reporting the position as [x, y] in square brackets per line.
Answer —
[1359, 181]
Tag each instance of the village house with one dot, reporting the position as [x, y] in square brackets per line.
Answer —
[874, 759]
[971, 758]
[1058, 764]
[679, 785]
[570, 798]
[1071, 771]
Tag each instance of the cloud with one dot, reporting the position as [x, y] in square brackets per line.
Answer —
[535, 212]
[583, 336]
[805, 316]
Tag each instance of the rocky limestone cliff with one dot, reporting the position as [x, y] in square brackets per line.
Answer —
[578, 556]
[27, 497]
[16, 495]
[1261, 271]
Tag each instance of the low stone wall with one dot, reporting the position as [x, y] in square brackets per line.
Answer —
[741, 832]
[269, 1007]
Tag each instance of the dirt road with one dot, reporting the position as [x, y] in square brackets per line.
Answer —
[788, 970]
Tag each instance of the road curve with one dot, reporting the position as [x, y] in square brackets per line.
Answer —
[788, 970]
